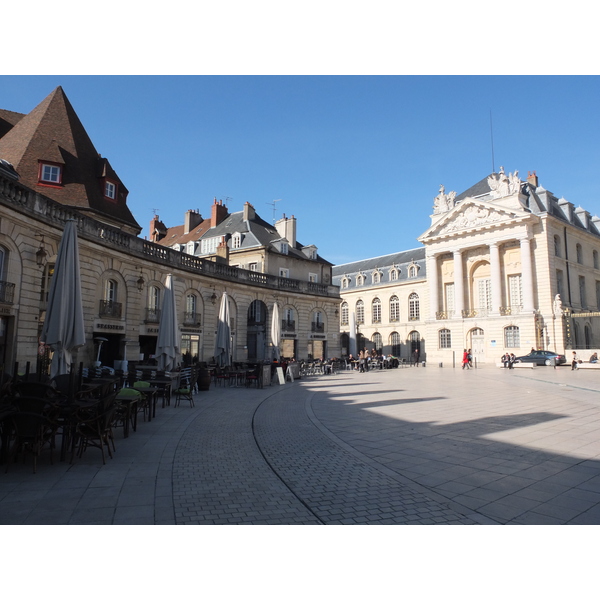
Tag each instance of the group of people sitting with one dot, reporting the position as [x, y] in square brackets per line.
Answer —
[508, 360]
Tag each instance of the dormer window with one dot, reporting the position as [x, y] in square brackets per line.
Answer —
[110, 190]
[236, 240]
[284, 248]
[376, 276]
[360, 280]
[50, 174]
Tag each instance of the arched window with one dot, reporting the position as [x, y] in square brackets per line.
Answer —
[393, 274]
[579, 253]
[445, 338]
[190, 317]
[360, 280]
[414, 338]
[512, 337]
[257, 313]
[345, 283]
[376, 310]
[587, 332]
[394, 309]
[413, 307]
[395, 343]
[576, 334]
[377, 342]
[344, 314]
[153, 308]
[412, 271]
[360, 312]
[317, 325]
[557, 246]
[110, 290]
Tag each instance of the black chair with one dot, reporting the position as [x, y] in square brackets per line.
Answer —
[34, 424]
[94, 427]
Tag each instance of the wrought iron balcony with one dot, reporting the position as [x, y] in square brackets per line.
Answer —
[7, 292]
[317, 327]
[111, 309]
[510, 310]
[152, 315]
[287, 325]
[443, 314]
[191, 318]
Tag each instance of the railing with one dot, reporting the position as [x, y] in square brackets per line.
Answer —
[510, 310]
[152, 315]
[191, 318]
[443, 314]
[413, 318]
[7, 292]
[288, 325]
[471, 313]
[108, 308]
[317, 327]
[37, 206]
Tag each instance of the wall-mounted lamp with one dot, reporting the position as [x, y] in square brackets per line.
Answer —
[213, 298]
[41, 254]
[337, 312]
[140, 282]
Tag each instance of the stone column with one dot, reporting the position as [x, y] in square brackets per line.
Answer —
[459, 284]
[496, 278]
[526, 275]
[432, 276]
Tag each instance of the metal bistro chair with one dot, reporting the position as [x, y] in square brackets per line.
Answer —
[144, 401]
[94, 427]
[185, 389]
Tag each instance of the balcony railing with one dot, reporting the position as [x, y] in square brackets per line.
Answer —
[110, 309]
[471, 313]
[317, 327]
[444, 314]
[288, 325]
[191, 318]
[510, 310]
[7, 292]
[152, 315]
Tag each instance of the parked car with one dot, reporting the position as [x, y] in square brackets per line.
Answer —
[542, 357]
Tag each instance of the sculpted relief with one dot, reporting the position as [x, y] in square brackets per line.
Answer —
[473, 216]
[443, 202]
[502, 184]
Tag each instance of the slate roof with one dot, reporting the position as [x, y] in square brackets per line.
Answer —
[405, 257]
[53, 132]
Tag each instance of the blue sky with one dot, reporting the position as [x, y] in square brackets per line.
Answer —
[356, 159]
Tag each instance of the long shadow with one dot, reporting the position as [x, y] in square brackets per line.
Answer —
[502, 480]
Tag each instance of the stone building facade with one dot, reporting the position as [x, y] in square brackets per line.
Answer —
[505, 266]
[123, 276]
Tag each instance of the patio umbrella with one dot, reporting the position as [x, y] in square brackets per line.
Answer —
[63, 327]
[275, 331]
[353, 349]
[167, 344]
[223, 341]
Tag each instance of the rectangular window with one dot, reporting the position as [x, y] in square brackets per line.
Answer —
[50, 173]
[511, 337]
[582, 291]
[598, 295]
[110, 190]
[445, 339]
[253, 266]
[515, 291]
[449, 293]
[313, 278]
[559, 283]
[485, 294]
[284, 273]
[209, 246]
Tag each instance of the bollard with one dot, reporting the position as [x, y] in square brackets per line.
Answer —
[441, 365]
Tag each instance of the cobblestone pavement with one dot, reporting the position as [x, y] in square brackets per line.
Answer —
[413, 445]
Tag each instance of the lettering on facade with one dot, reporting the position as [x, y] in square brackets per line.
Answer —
[586, 314]
[109, 326]
[289, 335]
[316, 336]
[5, 311]
[190, 330]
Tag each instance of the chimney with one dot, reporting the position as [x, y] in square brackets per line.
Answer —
[157, 230]
[286, 228]
[219, 213]
[532, 179]
[222, 254]
[192, 220]
[249, 212]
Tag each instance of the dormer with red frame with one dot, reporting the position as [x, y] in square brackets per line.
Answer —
[112, 188]
[51, 166]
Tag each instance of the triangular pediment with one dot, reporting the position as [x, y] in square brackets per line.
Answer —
[472, 215]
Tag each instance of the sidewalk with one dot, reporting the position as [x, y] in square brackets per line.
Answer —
[420, 446]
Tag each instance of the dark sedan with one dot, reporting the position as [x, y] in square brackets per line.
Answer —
[542, 357]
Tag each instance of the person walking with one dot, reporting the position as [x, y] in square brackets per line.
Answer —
[470, 356]
[416, 357]
[465, 360]
[574, 361]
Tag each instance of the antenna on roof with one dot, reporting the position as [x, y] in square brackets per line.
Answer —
[492, 138]
[227, 199]
[273, 205]
[155, 211]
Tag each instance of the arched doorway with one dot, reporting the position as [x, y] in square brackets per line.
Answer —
[257, 330]
[477, 344]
